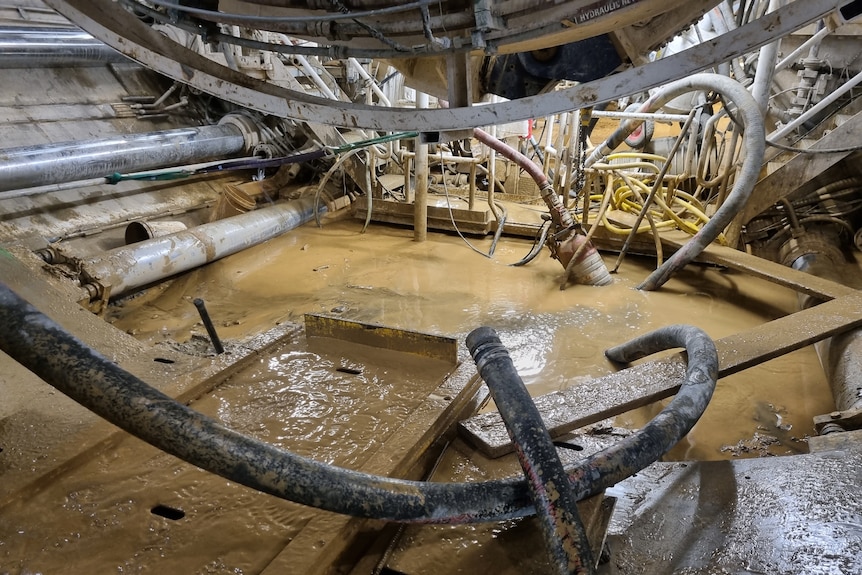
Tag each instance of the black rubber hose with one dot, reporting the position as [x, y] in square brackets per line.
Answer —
[66, 363]
[538, 244]
[556, 507]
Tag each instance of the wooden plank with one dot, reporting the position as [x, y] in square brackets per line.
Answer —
[476, 221]
[613, 394]
[425, 344]
[770, 271]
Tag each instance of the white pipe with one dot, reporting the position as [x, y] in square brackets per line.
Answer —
[792, 57]
[315, 77]
[129, 267]
[372, 83]
[640, 116]
[762, 87]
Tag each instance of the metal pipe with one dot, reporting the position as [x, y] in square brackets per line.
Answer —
[43, 46]
[816, 109]
[129, 267]
[840, 355]
[556, 507]
[31, 166]
[420, 200]
[208, 324]
[765, 71]
[372, 83]
[813, 41]
[315, 77]
[748, 173]
[66, 363]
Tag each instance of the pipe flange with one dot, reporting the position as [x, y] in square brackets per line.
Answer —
[247, 126]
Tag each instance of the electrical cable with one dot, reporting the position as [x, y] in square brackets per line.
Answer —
[845, 150]
[213, 15]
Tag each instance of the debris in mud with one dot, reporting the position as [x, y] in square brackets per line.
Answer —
[758, 444]
[764, 445]
[198, 345]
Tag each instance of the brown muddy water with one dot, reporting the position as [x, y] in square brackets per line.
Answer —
[339, 403]
[556, 338]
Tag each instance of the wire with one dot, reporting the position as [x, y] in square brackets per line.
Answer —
[249, 18]
[452, 215]
[846, 150]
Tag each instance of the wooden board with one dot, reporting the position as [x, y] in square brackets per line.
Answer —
[425, 344]
[603, 397]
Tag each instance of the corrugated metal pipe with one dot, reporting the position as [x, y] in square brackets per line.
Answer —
[47, 47]
[752, 120]
[94, 381]
[123, 269]
[31, 166]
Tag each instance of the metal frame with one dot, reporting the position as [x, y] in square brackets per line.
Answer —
[118, 28]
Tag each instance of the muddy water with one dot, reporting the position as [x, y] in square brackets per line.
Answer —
[556, 337]
[129, 508]
[297, 398]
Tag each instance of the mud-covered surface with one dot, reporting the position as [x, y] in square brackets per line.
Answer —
[126, 507]
[556, 338]
[313, 401]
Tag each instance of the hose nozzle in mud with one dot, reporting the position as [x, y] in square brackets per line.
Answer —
[583, 263]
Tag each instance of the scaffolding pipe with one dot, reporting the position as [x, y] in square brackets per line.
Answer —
[123, 269]
[46, 47]
[48, 164]
[749, 172]
[63, 361]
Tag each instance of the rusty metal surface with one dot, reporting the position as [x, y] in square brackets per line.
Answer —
[593, 401]
[425, 344]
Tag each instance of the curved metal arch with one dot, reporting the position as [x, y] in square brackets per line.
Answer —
[119, 29]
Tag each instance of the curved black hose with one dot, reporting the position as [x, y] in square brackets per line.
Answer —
[538, 243]
[555, 503]
[66, 363]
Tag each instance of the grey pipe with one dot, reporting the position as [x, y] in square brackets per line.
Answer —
[755, 137]
[31, 166]
[840, 355]
[124, 269]
[42, 46]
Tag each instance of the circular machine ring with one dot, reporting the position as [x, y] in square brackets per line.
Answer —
[120, 29]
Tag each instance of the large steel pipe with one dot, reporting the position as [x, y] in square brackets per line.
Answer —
[147, 262]
[31, 166]
[41, 46]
